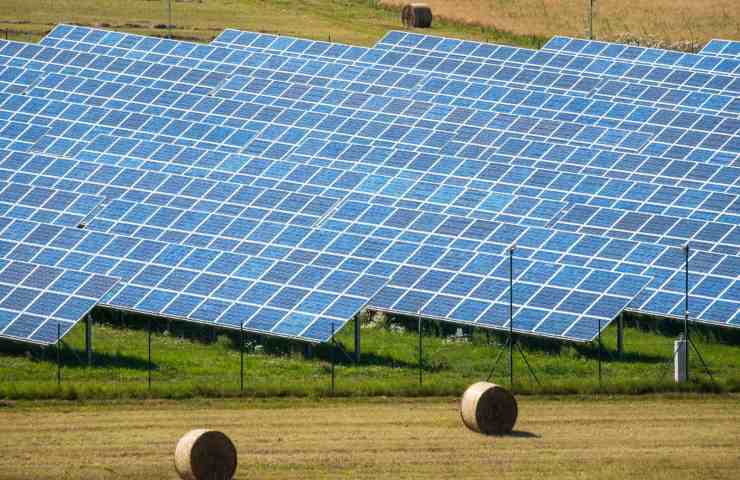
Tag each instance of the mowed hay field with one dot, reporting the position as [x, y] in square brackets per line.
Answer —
[627, 437]
[667, 20]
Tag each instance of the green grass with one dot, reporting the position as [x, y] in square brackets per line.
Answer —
[196, 366]
[360, 22]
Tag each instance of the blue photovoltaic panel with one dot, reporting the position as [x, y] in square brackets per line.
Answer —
[724, 48]
[41, 303]
[472, 234]
[651, 56]
[374, 126]
[38, 304]
[463, 50]
[285, 184]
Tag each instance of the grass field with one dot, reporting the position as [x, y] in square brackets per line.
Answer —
[667, 20]
[360, 22]
[650, 438]
[187, 363]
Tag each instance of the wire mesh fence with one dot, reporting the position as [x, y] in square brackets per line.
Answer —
[191, 361]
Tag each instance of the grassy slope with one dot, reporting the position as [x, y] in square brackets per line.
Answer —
[358, 22]
[563, 438]
[194, 366]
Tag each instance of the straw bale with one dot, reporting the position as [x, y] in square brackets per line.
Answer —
[205, 454]
[416, 15]
[489, 409]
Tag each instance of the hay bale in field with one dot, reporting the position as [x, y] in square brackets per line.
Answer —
[416, 15]
[205, 454]
[489, 409]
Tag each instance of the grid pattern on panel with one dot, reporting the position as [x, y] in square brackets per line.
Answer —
[724, 48]
[202, 284]
[102, 39]
[652, 56]
[282, 184]
[374, 118]
[684, 143]
[445, 223]
[40, 302]
[462, 50]
[125, 216]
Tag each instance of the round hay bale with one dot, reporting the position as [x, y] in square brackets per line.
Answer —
[416, 15]
[489, 409]
[205, 454]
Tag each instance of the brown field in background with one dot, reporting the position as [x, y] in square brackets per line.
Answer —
[667, 20]
[689, 437]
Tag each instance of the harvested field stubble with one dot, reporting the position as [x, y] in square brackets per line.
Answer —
[667, 20]
[563, 438]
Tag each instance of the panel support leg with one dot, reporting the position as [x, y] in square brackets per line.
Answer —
[620, 334]
[89, 339]
[358, 349]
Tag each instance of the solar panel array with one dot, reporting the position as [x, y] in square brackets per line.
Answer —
[282, 185]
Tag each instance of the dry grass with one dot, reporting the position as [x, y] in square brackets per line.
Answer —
[670, 20]
[348, 21]
[637, 437]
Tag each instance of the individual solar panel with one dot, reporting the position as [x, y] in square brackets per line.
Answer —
[723, 48]
[40, 303]
[652, 56]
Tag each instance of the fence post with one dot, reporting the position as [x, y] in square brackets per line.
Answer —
[149, 348]
[59, 355]
[333, 349]
[241, 353]
[421, 354]
[600, 351]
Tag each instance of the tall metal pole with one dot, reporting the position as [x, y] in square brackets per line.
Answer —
[686, 310]
[59, 354]
[600, 351]
[333, 348]
[511, 317]
[149, 346]
[421, 354]
[169, 15]
[241, 353]
[590, 19]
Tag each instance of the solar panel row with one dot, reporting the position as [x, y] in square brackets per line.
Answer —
[586, 247]
[284, 184]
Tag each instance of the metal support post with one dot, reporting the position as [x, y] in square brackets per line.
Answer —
[169, 18]
[149, 352]
[511, 318]
[686, 309]
[357, 339]
[600, 354]
[421, 354]
[59, 354]
[333, 349]
[241, 354]
[620, 334]
[89, 339]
